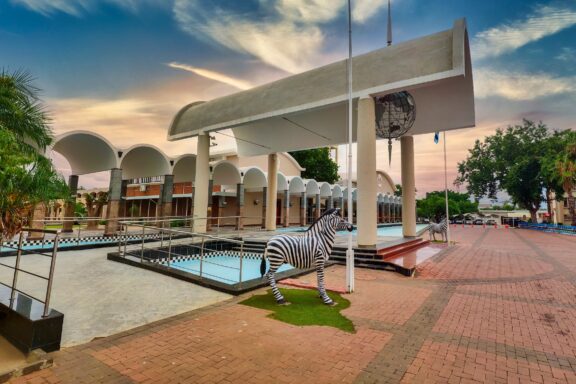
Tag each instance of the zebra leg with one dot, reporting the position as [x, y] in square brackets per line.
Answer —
[321, 289]
[272, 281]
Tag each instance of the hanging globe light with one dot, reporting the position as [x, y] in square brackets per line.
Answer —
[395, 115]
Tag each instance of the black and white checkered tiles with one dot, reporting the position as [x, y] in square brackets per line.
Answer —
[176, 258]
[82, 240]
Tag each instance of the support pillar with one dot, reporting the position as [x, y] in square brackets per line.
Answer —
[272, 192]
[239, 206]
[264, 207]
[367, 189]
[166, 197]
[341, 206]
[38, 217]
[303, 202]
[408, 187]
[330, 202]
[69, 206]
[114, 197]
[201, 183]
[318, 207]
[209, 213]
[286, 208]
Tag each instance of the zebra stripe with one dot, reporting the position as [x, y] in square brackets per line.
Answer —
[311, 250]
[441, 228]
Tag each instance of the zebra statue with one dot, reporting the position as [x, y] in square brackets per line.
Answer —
[440, 228]
[312, 249]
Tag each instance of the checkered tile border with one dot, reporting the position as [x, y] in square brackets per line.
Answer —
[74, 240]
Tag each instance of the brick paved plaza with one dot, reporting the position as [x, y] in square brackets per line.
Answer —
[499, 307]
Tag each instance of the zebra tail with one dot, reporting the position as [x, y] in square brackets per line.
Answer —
[263, 264]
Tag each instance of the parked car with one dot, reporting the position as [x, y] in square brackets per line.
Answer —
[478, 222]
[458, 221]
[491, 222]
[468, 221]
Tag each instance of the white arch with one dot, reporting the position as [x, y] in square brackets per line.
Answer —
[312, 188]
[282, 182]
[380, 197]
[184, 169]
[354, 194]
[337, 191]
[87, 152]
[388, 178]
[142, 160]
[325, 189]
[253, 178]
[386, 199]
[296, 185]
[226, 173]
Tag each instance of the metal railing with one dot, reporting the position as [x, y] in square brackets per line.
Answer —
[172, 244]
[16, 268]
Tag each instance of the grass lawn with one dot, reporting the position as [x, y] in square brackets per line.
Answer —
[306, 308]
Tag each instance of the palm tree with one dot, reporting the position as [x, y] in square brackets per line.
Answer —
[566, 171]
[94, 204]
[26, 176]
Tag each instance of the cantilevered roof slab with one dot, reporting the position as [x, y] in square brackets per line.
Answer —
[309, 109]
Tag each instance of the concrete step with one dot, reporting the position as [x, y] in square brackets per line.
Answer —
[402, 248]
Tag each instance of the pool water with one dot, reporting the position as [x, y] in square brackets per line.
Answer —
[225, 268]
[389, 231]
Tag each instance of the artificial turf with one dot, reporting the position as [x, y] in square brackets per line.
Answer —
[306, 308]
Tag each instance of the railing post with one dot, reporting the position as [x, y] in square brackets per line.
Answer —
[142, 249]
[51, 274]
[202, 255]
[241, 260]
[79, 231]
[169, 248]
[16, 268]
[125, 238]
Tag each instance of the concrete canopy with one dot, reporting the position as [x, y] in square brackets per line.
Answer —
[325, 189]
[435, 69]
[87, 152]
[143, 160]
[312, 187]
[184, 169]
[296, 185]
[282, 182]
[336, 191]
[226, 173]
[253, 178]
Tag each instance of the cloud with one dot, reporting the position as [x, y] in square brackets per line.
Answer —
[78, 7]
[519, 86]
[506, 38]
[289, 38]
[568, 54]
[237, 83]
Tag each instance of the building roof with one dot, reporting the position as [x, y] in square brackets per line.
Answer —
[312, 106]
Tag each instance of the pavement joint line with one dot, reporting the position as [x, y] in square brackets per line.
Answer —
[516, 299]
[404, 345]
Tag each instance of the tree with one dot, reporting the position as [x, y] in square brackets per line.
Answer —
[319, 166]
[433, 206]
[94, 204]
[27, 178]
[398, 191]
[512, 160]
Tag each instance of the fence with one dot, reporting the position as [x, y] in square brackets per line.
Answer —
[556, 228]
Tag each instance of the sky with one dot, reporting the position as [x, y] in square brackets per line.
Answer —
[123, 68]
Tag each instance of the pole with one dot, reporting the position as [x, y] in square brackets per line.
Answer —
[350, 250]
[446, 193]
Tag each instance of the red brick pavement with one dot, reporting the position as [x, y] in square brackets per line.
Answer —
[499, 307]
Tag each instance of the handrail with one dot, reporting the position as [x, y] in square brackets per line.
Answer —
[16, 268]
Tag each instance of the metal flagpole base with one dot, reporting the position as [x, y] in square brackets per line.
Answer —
[350, 270]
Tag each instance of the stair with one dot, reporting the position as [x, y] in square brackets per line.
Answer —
[396, 250]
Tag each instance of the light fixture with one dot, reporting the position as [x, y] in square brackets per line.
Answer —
[256, 201]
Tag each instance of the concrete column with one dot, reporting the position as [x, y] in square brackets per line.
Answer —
[341, 206]
[367, 189]
[286, 208]
[201, 183]
[303, 202]
[330, 202]
[38, 217]
[114, 197]
[408, 187]
[209, 212]
[69, 206]
[166, 196]
[318, 206]
[239, 206]
[272, 191]
[264, 207]
[379, 211]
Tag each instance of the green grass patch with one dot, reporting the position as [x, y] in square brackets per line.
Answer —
[306, 308]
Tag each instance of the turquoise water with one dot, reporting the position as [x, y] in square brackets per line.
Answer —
[390, 231]
[225, 269]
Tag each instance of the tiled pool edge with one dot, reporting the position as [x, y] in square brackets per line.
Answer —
[232, 289]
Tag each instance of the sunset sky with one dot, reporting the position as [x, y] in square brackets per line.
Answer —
[123, 68]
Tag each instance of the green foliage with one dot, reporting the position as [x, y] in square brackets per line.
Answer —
[79, 210]
[306, 309]
[26, 177]
[398, 191]
[319, 166]
[177, 223]
[514, 160]
[433, 206]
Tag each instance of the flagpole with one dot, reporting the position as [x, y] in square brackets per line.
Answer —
[446, 192]
[350, 250]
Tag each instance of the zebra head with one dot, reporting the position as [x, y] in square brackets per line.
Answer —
[337, 222]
